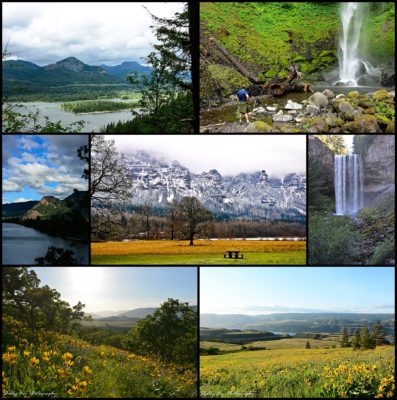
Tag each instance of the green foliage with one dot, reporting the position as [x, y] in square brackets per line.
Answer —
[170, 333]
[101, 105]
[383, 253]
[317, 191]
[367, 340]
[39, 307]
[333, 240]
[345, 338]
[228, 80]
[57, 256]
[335, 143]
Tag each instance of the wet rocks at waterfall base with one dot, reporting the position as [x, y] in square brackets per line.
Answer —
[329, 113]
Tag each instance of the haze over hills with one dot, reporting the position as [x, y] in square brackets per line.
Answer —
[24, 77]
[248, 195]
[298, 322]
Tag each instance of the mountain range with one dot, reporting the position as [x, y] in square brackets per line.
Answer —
[136, 313]
[24, 77]
[298, 322]
[253, 195]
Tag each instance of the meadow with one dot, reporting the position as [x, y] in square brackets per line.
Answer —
[58, 365]
[299, 372]
[203, 252]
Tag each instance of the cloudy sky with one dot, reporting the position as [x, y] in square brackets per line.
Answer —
[121, 288]
[256, 290]
[41, 165]
[230, 155]
[95, 33]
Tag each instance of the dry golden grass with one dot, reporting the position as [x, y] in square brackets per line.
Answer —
[175, 247]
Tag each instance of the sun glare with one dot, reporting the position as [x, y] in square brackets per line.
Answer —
[86, 280]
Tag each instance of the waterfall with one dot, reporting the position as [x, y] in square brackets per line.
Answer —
[348, 184]
[350, 64]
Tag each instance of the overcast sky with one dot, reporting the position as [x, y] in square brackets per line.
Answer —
[95, 33]
[42, 165]
[230, 155]
[121, 288]
[257, 290]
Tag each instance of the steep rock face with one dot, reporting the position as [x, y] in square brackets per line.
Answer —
[247, 195]
[379, 167]
[320, 152]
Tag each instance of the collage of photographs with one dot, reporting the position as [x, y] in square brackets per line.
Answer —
[198, 200]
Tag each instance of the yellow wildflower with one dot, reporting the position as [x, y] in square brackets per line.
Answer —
[9, 358]
[26, 353]
[87, 370]
[67, 356]
[11, 348]
[34, 361]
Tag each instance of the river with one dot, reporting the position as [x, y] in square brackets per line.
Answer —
[93, 121]
[21, 245]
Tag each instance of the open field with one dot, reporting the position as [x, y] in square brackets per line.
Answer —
[298, 373]
[204, 252]
[298, 343]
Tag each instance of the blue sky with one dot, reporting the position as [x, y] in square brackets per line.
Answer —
[121, 288]
[41, 165]
[265, 290]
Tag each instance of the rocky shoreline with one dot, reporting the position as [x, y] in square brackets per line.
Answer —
[323, 112]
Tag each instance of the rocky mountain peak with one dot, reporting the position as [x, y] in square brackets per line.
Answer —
[50, 200]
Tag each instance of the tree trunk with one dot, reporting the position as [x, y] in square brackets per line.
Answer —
[191, 240]
[240, 68]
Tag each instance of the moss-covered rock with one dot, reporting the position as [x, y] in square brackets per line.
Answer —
[333, 121]
[315, 125]
[382, 95]
[258, 126]
[382, 120]
[353, 94]
[363, 123]
[390, 127]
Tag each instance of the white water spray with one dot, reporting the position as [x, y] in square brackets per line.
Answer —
[348, 184]
[349, 61]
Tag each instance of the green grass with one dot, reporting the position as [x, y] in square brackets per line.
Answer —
[299, 373]
[293, 257]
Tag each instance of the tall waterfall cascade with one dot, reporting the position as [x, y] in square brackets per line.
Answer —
[348, 179]
[351, 67]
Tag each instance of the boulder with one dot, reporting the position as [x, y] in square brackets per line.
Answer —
[339, 96]
[381, 95]
[333, 121]
[318, 99]
[258, 126]
[363, 123]
[329, 94]
[353, 94]
[260, 111]
[299, 118]
[346, 109]
[280, 112]
[282, 118]
[316, 125]
[272, 109]
[312, 110]
[292, 112]
[391, 93]
[293, 106]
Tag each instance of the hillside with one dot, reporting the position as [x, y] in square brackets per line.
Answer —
[66, 218]
[267, 37]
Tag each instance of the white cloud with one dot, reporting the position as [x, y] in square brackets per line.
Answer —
[9, 186]
[93, 32]
[21, 200]
[229, 154]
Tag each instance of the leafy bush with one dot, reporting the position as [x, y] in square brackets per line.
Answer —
[333, 240]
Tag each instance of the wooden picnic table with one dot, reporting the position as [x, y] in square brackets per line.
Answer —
[233, 254]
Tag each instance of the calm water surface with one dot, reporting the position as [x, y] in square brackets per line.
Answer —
[21, 245]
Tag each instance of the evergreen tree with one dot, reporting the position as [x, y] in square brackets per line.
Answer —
[356, 340]
[379, 334]
[367, 341]
[308, 346]
[345, 338]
